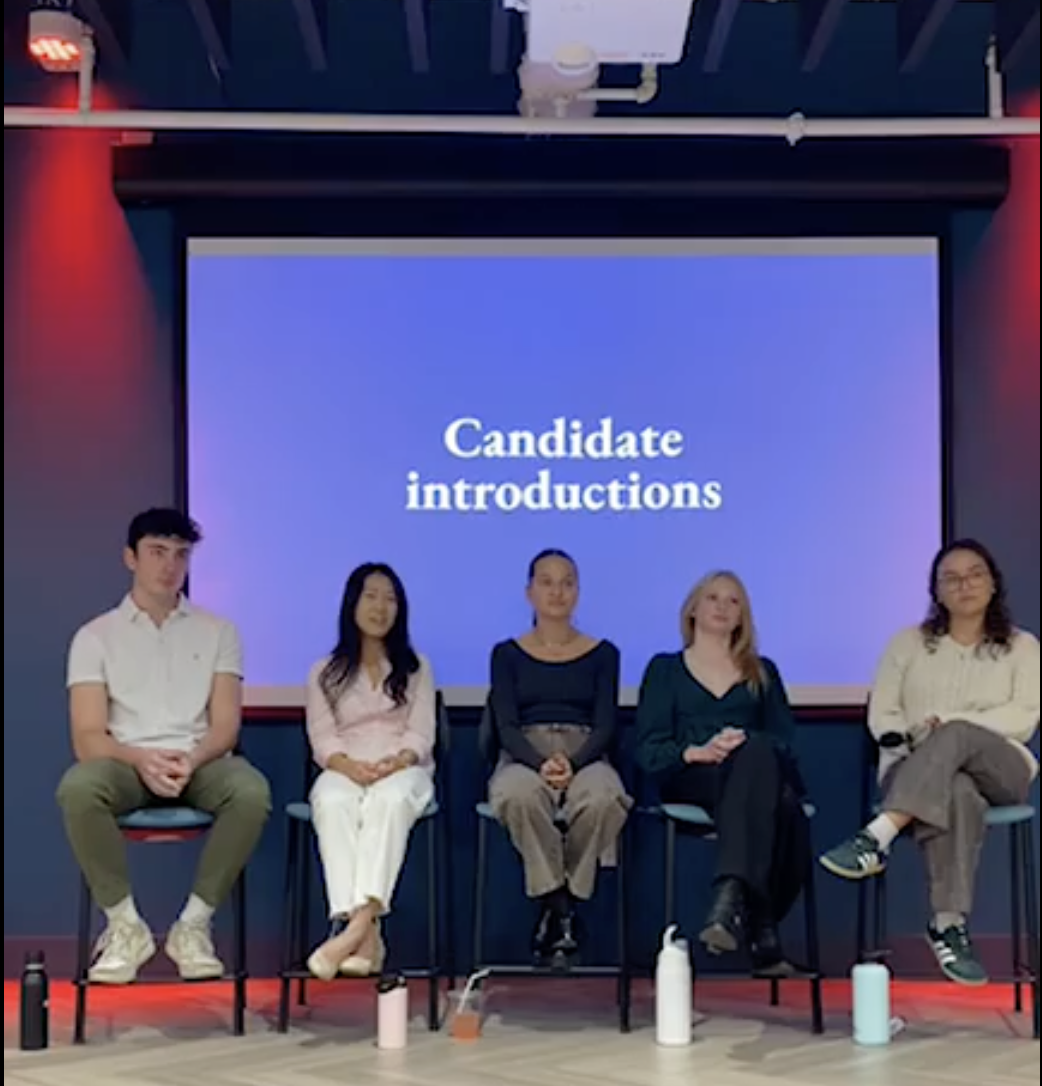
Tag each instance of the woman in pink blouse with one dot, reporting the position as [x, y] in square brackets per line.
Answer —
[371, 722]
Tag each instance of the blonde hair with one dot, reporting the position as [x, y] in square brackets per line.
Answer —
[744, 648]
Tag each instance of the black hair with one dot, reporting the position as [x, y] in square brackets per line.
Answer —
[346, 657]
[550, 552]
[162, 523]
[998, 623]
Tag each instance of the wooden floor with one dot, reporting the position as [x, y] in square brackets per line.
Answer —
[538, 1034]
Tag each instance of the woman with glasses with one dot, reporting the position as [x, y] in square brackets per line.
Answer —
[955, 703]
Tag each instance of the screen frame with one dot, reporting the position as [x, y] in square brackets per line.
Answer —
[846, 702]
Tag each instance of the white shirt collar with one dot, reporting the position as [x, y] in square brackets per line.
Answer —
[132, 613]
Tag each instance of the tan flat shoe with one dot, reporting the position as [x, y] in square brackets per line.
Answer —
[358, 965]
[321, 967]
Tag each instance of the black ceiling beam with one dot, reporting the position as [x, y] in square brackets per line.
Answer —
[1016, 31]
[418, 31]
[111, 23]
[918, 24]
[819, 21]
[313, 19]
[720, 16]
[403, 169]
[214, 20]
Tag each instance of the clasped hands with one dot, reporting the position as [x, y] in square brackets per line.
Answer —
[930, 726]
[366, 774]
[717, 750]
[165, 773]
[557, 772]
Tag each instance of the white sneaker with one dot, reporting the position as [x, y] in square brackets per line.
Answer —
[124, 947]
[190, 948]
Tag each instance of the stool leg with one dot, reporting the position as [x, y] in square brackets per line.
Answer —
[862, 922]
[79, 1029]
[304, 915]
[622, 905]
[481, 872]
[434, 972]
[290, 924]
[448, 893]
[670, 891]
[239, 937]
[879, 917]
[1016, 930]
[671, 871]
[1027, 839]
[810, 909]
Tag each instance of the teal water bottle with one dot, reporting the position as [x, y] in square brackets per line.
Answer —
[872, 1018]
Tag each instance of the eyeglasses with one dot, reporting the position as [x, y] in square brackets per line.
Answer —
[974, 579]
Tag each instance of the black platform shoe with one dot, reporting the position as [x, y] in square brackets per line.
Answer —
[725, 926]
[546, 934]
[565, 947]
[765, 949]
[567, 941]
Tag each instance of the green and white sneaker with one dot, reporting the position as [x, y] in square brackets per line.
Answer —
[861, 857]
[956, 956]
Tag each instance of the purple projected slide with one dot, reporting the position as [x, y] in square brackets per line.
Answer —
[657, 409]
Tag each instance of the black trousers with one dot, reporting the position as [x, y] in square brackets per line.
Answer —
[755, 798]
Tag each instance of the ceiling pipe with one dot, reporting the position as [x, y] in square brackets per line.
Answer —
[794, 129]
[644, 93]
[88, 60]
[547, 91]
[996, 83]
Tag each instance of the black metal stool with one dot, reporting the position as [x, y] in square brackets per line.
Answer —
[163, 825]
[296, 938]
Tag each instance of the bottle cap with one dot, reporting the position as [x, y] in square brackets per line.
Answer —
[673, 940]
[390, 983]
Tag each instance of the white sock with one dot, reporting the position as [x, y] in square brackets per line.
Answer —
[884, 830]
[125, 912]
[943, 922]
[196, 911]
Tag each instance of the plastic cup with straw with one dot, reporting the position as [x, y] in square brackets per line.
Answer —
[466, 1017]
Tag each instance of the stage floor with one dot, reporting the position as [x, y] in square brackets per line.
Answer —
[538, 1034]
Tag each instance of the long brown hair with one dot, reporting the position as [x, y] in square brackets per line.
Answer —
[744, 649]
[998, 622]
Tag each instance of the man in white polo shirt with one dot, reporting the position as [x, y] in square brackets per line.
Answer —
[155, 704]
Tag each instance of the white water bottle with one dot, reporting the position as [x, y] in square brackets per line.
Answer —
[392, 1013]
[673, 980]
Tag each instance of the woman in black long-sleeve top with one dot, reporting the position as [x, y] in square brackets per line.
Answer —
[715, 730]
[554, 696]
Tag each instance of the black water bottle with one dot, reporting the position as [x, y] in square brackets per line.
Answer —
[36, 1009]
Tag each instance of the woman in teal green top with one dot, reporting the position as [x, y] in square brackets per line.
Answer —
[715, 730]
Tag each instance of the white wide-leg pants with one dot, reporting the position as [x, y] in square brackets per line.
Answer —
[363, 834]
